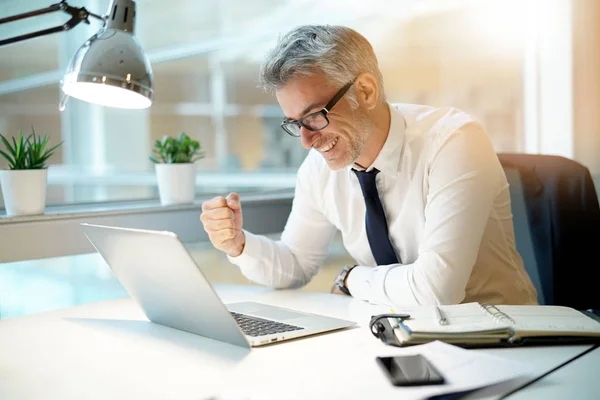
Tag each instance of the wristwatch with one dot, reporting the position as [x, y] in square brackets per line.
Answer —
[341, 278]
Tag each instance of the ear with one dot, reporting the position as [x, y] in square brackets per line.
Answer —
[367, 90]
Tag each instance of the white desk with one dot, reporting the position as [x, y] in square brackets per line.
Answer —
[108, 350]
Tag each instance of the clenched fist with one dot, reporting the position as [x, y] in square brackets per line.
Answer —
[222, 220]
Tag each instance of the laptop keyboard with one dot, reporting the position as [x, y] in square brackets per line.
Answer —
[253, 326]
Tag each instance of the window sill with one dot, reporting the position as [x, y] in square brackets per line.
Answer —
[128, 207]
[56, 233]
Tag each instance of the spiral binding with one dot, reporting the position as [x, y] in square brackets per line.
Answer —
[498, 315]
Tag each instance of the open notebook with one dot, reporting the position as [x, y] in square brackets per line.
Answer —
[481, 324]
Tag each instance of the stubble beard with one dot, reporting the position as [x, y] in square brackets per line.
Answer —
[356, 143]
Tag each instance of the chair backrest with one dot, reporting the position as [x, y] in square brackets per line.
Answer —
[523, 239]
[556, 215]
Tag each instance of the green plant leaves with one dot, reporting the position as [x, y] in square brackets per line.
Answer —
[171, 150]
[27, 152]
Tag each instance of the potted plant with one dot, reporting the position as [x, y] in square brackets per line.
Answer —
[24, 183]
[174, 158]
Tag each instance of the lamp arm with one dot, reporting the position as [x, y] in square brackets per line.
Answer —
[77, 15]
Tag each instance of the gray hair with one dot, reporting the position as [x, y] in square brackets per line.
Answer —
[338, 52]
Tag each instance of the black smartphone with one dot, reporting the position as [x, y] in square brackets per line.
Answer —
[413, 370]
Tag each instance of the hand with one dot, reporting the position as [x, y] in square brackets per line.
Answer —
[336, 290]
[222, 220]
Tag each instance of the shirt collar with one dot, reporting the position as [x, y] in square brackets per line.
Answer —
[388, 159]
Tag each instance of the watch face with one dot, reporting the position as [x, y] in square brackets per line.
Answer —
[341, 276]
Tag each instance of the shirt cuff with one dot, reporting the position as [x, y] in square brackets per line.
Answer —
[368, 283]
[249, 260]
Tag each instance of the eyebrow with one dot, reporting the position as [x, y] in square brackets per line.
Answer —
[306, 110]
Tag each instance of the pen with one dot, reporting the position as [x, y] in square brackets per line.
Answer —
[440, 316]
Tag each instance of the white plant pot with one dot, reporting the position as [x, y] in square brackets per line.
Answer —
[24, 191]
[176, 183]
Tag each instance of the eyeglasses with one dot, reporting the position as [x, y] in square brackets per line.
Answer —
[317, 120]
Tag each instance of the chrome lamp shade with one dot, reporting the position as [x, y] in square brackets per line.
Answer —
[110, 68]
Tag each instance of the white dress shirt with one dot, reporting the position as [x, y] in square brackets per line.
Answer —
[447, 204]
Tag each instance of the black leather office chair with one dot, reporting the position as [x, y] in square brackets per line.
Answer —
[557, 227]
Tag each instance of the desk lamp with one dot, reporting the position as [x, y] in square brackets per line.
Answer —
[110, 68]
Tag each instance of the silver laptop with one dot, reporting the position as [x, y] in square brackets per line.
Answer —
[162, 277]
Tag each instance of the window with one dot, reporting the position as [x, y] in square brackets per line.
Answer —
[205, 58]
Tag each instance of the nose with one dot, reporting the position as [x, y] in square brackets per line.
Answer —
[308, 137]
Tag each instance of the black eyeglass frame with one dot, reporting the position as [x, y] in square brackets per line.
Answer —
[324, 111]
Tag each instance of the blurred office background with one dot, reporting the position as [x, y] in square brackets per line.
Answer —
[529, 70]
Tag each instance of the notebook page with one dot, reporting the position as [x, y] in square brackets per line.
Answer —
[549, 319]
[468, 317]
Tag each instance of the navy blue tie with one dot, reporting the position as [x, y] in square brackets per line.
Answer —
[377, 229]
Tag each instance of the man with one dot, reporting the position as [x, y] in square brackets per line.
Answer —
[417, 192]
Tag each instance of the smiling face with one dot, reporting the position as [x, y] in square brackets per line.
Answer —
[343, 140]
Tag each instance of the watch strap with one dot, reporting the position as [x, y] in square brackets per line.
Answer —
[342, 277]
